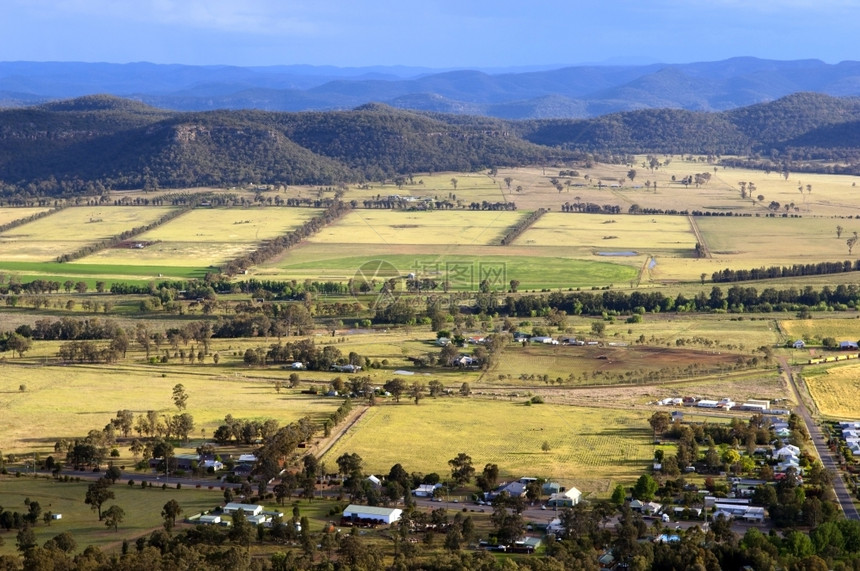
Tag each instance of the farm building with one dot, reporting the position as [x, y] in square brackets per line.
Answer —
[425, 490]
[249, 509]
[513, 489]
[707, 404]
[209, 519]
[847, 345]
[799, 344]
[550, 488]
[346, 368]
[566, 499]
[370, 514]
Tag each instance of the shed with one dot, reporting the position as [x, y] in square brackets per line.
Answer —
[209, 519]
[799, 344]
[371, 514]
[249, 509]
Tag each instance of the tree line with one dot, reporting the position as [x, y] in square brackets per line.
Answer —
[735, 299]
[277, 245]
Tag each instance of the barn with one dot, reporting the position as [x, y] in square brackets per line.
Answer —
[371, 514]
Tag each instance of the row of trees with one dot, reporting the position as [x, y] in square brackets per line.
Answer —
[117, 239]
[274, 247]
[735, 299]
[796, 270]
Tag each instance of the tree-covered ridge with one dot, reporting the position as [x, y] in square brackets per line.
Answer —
[90, 144]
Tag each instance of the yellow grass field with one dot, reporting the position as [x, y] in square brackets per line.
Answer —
[68, 401]
[432, 227]
[837, 391]
[11, 214]
[70, 229]
[842, 329]
[591, 449]
[207, 236]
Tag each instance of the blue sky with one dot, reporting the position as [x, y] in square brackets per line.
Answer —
[430, 33]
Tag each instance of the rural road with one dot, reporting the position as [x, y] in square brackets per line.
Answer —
[827, 459]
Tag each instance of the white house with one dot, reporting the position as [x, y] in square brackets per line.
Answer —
[799, 344]
[372, 513]
[567, 498]
[787, 451]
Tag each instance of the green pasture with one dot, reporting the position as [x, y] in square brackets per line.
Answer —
[91, 273]
[464, 268]
[206, 236]
[591, 449]
[142, 509]
[71, 229]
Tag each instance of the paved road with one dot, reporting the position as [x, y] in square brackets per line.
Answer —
[827, 458]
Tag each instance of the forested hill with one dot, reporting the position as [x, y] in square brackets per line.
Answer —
[96, 142]
[763, 128]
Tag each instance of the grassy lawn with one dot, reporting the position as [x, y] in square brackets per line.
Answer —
[591, 449]
[142, 510]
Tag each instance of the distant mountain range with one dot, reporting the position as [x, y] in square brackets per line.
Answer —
[569, 92]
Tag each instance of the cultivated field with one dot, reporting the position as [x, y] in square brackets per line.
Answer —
[443, 228]
[591, 449]
[205, 237]
[836, 391]
[453, 246]
[70, 229]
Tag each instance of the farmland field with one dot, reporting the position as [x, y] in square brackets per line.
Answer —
[463, 268]
[814, 330]
[752, 242]
[591, 449]
[463, 228]
[68, 401]
[442, 245]
[591, 234]
[11, 214]
[836, 391]
[206, 236]
[70, 229]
